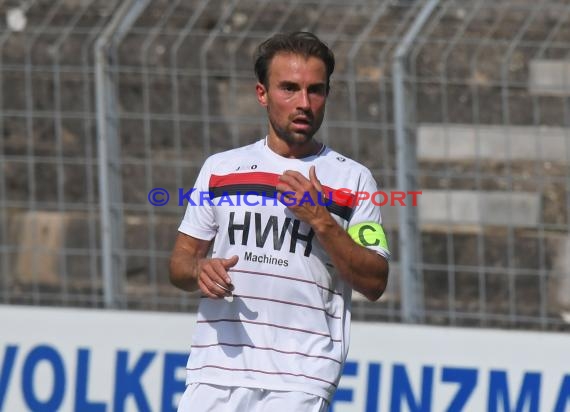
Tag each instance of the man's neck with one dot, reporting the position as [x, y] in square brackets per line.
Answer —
[295, 150]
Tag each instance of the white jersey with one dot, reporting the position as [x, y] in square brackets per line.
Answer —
[287, 326]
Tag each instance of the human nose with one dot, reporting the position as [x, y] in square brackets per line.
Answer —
[304, 101]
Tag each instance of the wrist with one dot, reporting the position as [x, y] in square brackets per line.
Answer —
[324, 225]
[199, 263]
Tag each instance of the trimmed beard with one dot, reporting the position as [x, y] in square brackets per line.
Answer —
[287, 136]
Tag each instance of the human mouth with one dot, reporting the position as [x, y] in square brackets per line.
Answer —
[302, 121]
[302, 127]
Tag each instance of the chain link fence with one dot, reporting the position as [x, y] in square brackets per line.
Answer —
[102, 101]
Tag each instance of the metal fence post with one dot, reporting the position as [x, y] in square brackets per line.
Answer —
[108, 147]
[409, 237]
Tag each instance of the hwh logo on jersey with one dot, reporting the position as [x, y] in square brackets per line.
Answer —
[272, 225]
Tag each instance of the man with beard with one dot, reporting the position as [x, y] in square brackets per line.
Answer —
[289, 244]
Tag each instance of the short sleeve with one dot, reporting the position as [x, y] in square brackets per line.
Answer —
[199, 219]
[365, 224]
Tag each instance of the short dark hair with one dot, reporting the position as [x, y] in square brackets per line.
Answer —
[299, 42]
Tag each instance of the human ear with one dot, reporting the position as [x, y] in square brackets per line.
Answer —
[261, 93]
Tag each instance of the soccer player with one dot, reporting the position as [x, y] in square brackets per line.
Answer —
[288, 247]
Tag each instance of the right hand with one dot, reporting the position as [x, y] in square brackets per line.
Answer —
[213, 279]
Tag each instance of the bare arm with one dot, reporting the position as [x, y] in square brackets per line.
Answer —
[191, 270]
[362, 268]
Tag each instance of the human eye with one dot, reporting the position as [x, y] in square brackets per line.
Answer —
[318, 89]
[288, 87]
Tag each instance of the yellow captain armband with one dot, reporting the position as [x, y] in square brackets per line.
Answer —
[368, 234]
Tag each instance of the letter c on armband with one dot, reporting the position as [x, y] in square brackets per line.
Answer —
[368, 234]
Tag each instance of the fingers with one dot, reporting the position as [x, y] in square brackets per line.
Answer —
[296, 180]
[314, 180]
[229, 263]
[295, 187]
[213, 278]
[287, 183]
[293, 178]
[292, 181]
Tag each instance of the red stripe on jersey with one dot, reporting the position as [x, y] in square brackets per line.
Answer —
[259, 178]
[341, 196]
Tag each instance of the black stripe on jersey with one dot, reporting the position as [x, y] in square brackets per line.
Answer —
[242, 189]
[344, 212]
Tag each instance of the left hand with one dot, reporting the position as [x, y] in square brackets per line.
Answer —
[307, 202]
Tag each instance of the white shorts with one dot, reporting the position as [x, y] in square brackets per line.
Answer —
[201, 397]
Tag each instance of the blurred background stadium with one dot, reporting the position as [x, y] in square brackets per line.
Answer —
[467, 100]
